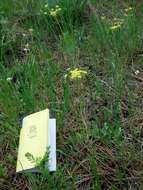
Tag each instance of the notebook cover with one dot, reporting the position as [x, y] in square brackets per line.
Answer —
[33, 139]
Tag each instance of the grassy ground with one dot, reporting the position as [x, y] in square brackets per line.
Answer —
[99, 113]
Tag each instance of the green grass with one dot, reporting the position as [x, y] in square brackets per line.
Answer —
[100, 116]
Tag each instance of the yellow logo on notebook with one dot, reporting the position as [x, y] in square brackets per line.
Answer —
[32, 132]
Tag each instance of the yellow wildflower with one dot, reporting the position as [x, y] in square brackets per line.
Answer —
[115, 27]
[128, 9]
[77, 74]
[103, 17]
[54, 12]
[57, 6]
[46, 6]
[30, 29]
[116, 23]
[59, 9]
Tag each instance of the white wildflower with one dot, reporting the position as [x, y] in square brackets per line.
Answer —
[137, 72]
[9, 79]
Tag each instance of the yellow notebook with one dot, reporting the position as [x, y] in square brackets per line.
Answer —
[38, 133]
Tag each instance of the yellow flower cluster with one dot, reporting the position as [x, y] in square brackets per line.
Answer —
[116, 24]
[55, 11]
[77, 74]
[115, 27]
[52, 12]
[128, 9]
